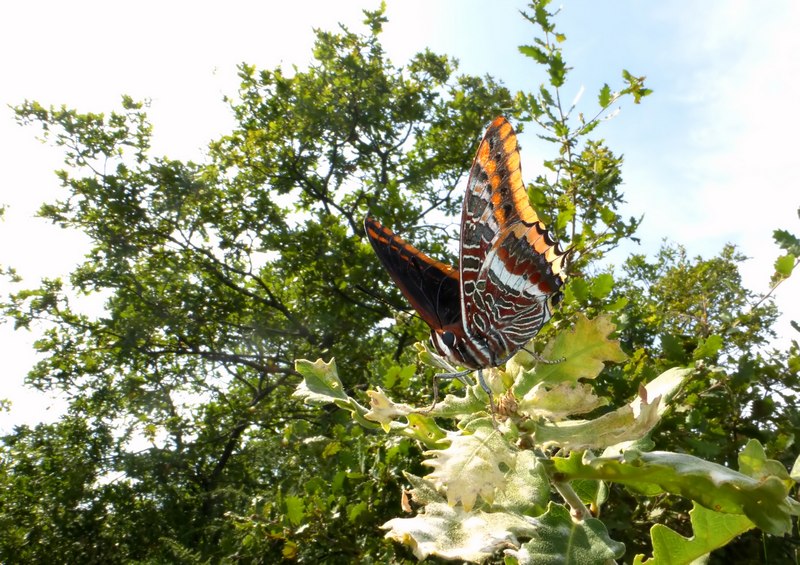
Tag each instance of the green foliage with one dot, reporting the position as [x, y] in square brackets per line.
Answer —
[785, 264]
[559, 539]
[587, 174]
[697, 312]
[483, 483]
[217, 275]
[711, 530]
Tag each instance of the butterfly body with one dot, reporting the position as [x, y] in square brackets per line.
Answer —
[510, 273]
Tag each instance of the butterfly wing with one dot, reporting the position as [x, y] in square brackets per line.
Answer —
[430, 286]
[510, 265]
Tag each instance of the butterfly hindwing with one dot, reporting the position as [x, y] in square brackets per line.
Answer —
[510, 265]
[430, 286]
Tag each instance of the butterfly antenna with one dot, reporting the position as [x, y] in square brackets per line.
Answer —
[539, 359]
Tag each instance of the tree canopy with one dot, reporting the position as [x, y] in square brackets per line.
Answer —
[183, 441]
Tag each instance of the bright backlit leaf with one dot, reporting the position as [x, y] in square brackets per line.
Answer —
[559, 401]
[454, 533]
[710, 529]
[784, 265]
[583, 352]
[473, 465]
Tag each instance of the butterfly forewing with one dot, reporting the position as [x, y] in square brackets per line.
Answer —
[430, 286]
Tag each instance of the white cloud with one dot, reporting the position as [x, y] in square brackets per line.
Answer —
[745, 146]
[713, 158]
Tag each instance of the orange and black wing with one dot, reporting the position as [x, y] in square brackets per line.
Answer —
[510, 265]
[430, 286]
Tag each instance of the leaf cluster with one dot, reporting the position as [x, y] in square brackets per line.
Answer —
[494, 479]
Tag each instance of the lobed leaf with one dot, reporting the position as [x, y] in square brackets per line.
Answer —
[604, 98]
[621, 425]
[753, 462]
[718, 488]
[711, 530]
[295, 509]
[784, 265]
[560, 401]
[535, 53]
[787, 241]
[454, 533]
[321, 385]
[473, 465]
[527, 488]
[384, 410]
[558, 540]
[583, 351]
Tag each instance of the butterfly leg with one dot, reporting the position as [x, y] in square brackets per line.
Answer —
[446, 377]
[488, 391]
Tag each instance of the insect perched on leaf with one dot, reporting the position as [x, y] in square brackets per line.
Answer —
[509, 275]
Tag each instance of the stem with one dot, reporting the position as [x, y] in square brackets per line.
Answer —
[578, 509]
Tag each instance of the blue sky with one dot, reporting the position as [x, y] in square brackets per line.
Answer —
[710, 157]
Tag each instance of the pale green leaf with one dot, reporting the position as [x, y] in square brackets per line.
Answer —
[473, 465]
[295, 509]
[627, 423]
[527, 488]
[784, 265]
[384, 410]
[559, 401]
[559, 540]
[321, 384]
[474, 401]
[453, 533]
[419, 425]
[583, 352]
[425, 429]
[753, 462]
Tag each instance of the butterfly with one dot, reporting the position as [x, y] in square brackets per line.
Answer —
[510, 271]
